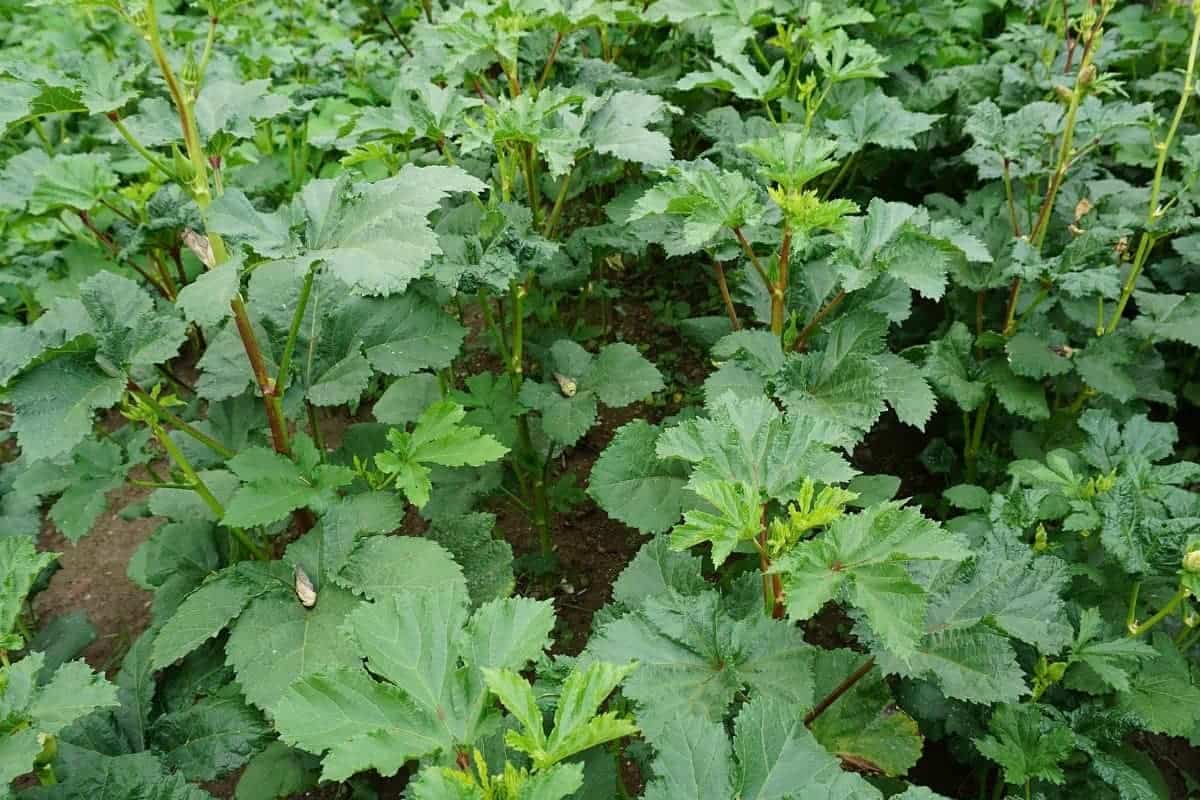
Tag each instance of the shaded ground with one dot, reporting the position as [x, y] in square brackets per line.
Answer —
[92, 578]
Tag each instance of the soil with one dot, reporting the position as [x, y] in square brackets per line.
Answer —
[91, 577]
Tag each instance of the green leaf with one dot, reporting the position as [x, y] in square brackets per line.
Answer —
[274, 486]
[863, 727]
[618, 126]
[577, 726]
[894, 239]
[564, 419]
[777, 754]
[277, 641]
[334, 713]
[1030, 355]
[129, 330]
[437, 438]
[728, 26]
[206, 300]
[1021, 396]
[211, 738]
[382, 566]
[737, 75]
[752, 442]
[865, 556]
[709, 202]
[120, 778]
[633, 485]
[1114, 660]
[404, 400]
[487, 562]
[1026, 744]
[1164, 695]
[879, 120]
[617, 376]
[973, 664]
[77, 181]
[657, 570]
[951, 368]
[54, 403]
[20, 565]
[275, 772]
[374, 237]
[694, 657]
[1019, 595]
[201, 616]
[906, 391]
[430, 655]
[621, 375]
[738, 518]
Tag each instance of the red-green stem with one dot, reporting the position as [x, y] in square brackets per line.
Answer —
[723, 285]
[279, 435]
[802, 338]
[779, 288]
[550, 61]
[843, 687]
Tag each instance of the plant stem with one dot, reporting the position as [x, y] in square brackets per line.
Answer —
[549, 62]
[177, 423]
[1037, 234]
[285, 362]
[208, 48]
[1147, 238]
[841, 173]
[531, 186]
[279, 436]
[187, 121]
[1135, 630]
[314, 426]
[153, 160]
[750, 254]
[843, 687]
[779, 289]
[1012, 206]
[559, 199]
[719, 269]
[201, 488]
[802, 338]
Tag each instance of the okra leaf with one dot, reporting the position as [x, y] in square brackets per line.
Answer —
[1027, 744]
[863, 558]
[632, 484]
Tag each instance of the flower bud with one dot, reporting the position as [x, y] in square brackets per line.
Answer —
[1191, 562]
[1087, 75]
[49, 749]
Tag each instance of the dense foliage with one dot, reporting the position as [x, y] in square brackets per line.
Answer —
[341, 284]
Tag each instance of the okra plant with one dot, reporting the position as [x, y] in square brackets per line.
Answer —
[868, 331]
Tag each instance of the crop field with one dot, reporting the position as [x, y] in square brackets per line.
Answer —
[599, 400]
